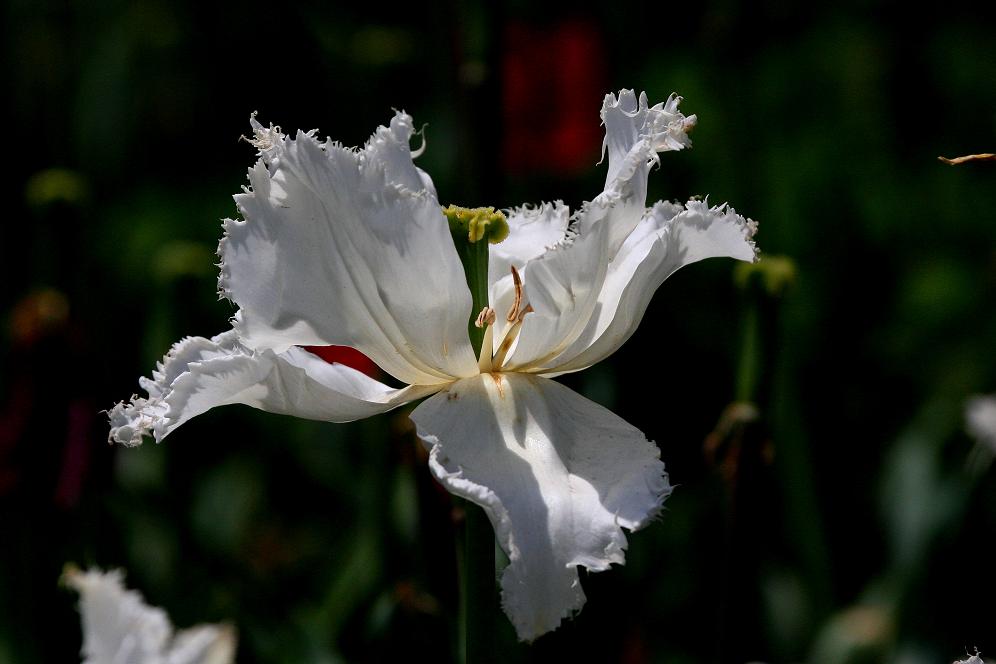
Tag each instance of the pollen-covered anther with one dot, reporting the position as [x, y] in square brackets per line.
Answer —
[486, 317]
[513, 313]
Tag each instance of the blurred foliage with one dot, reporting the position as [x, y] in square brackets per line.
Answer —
[840, 525]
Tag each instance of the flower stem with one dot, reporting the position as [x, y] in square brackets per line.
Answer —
[473, 229]
[749, 457]
[479, 597]
[474, 256]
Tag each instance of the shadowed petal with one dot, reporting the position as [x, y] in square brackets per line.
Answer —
[350, 248]
[558, 475]
[199, 374]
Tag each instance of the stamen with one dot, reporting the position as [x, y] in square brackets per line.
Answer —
[506, 343]
[484, 362]
[486, 317]
[514, 316]
[488, 362]
[513, 313]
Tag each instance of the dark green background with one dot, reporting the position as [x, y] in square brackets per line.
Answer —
[857, 534]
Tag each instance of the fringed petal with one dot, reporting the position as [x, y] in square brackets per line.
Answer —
[561, 287]
[570, 285]
[668, 237]
[558, 476]
[635, 133]
[348, 247]
[119, 627]
[199, 374]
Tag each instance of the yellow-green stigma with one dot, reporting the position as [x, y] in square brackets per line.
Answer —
[476, 224]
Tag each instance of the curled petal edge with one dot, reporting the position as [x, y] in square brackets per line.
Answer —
[669, 237]
[198, 374]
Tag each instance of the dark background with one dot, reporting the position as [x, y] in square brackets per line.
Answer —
[847, 524]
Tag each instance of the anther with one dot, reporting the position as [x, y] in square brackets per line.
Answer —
[486, 317]
[513, 313]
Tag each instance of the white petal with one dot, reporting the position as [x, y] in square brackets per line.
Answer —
[120, 628]
[346, 247]
[634, 133]
[204, 644]
[972, 659]
[532, 230]
[562, 287]
[980, 419]
[563, 284]
[199, 374]
[633, 127]
[667, 238]
[558, 475]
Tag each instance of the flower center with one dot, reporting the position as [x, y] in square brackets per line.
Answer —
[490, 360]
[473, 229]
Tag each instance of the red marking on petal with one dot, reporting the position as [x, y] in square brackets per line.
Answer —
[345, 355]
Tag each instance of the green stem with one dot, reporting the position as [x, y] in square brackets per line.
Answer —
[479, 597]
[473, 230]
[474, 256]
[750, 354]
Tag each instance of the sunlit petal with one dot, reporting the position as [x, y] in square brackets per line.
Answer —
[562, 287]
[563, 283]
[199, 374]
[668, 237]
[532, 230]
[558, 475]
[635, 133]
[348, 247]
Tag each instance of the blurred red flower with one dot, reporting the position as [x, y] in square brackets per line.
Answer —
[550, 76]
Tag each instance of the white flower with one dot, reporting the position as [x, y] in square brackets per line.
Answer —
[980, 420]
[972, 659]
[120, 628]
[349, 247]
